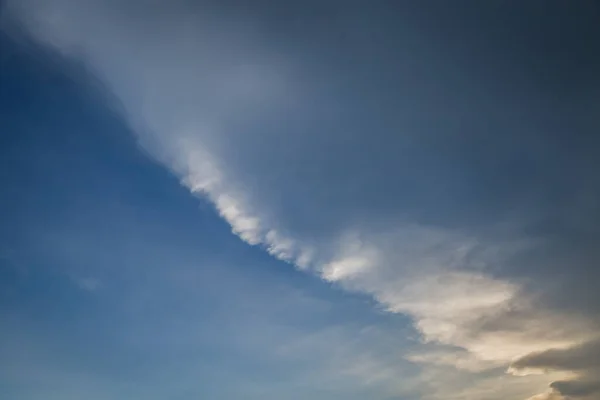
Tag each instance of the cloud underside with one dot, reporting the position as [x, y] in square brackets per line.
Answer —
[200, 93]
[583, 360]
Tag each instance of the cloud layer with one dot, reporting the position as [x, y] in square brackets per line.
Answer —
[582, 360]
[263, 127]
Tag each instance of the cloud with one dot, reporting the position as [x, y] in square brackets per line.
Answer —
[580, 357]
[583, 360]
[248, 124]
[435, 276]
[586, 388]
[547, 396]
[234, 70]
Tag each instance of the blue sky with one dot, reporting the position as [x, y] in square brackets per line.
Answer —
[303, 200]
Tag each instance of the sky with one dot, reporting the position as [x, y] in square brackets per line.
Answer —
[287, 200]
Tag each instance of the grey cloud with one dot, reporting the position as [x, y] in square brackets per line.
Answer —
[584, 356]
[583, 359]
[578, 388]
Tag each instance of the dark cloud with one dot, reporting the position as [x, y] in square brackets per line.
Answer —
[583, 359]
[585, 388]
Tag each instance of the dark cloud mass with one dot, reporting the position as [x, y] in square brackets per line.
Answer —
[583, 359]
[586, 388]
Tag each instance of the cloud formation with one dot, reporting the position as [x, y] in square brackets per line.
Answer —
[224, 105]
[582, 360]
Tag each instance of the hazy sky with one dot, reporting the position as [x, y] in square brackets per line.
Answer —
[273, 200]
